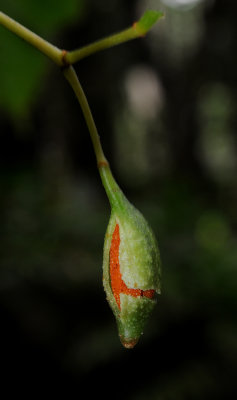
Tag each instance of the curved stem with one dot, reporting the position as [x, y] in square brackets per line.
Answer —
[112, 189]
[110, 41]
[45, 47]
[65, 59]
[72, 78]
[138, 29]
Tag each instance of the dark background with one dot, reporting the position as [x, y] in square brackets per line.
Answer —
[165, 108]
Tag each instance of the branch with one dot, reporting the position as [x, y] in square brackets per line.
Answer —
[138, 29]
[45, 47]
[63, 57]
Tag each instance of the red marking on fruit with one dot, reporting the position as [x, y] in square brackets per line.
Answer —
[117, 284]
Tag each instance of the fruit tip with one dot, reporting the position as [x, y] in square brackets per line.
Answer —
[128, 343]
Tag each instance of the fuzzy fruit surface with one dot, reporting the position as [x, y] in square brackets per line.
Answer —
[131, 267]
[118, 285]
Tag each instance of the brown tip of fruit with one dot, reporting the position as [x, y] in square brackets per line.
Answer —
[128, 344]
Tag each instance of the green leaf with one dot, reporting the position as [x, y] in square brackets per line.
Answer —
[149, 18]
[23, 68]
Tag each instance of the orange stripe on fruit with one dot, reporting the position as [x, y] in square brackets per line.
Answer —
[117, 284]
[115, 275]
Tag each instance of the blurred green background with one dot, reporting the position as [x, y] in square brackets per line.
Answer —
[165, 108]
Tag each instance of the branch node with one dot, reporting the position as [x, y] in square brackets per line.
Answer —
[65, 62]
[102, 164]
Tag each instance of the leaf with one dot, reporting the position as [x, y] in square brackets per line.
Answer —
[22, 68]
[21, 72]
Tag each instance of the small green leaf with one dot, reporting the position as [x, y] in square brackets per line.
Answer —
[149, 18]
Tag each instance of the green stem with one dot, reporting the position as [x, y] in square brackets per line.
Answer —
[110, 41]
[65, 59]
[72, 78]
[107, 178]
[138, 29]
[45, 47]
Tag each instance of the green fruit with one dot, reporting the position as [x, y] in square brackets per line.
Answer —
[131, 265]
